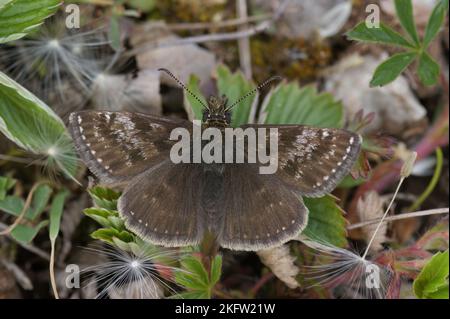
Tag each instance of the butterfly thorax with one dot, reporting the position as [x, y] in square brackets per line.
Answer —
[216, 113]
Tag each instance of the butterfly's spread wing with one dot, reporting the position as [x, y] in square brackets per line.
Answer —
[119, 145]
[314, 160]
[163, 205]
[258, 210]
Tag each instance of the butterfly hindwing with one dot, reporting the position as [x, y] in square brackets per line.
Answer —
[314, 160]
[116, 146]
[163, 205]
[258, 210]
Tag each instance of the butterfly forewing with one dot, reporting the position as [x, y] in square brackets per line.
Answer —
[116, 146]
[314, 160]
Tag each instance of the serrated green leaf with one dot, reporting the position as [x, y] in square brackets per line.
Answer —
[193, 107]
[290, 104]
[122, 245]
[56, 211]
[432, 281]
[104, 197]
[234, 86]
[33, 126]
[382, 35]
[188, 281]
[404, 11]
[435, 22]
[390, 69]
[191, 295]
[19, 17]
[216, 269]
[26, 234]
[325, 221]
[102, 216]
[428, 70]
[105, 234]
[196, 268]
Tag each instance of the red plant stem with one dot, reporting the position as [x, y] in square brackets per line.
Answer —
[260, 283]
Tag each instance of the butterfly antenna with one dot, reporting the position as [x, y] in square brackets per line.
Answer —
[258, 88]
[183, 86]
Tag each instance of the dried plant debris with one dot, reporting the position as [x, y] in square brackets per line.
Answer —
[395, 106]
[127, 92]
[280, 261]
[151, 41]
[309, 18]
[371, 207]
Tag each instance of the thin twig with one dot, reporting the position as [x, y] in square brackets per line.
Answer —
[16, 159]
[19, 218]
[399, 217]
[383, 217]
[260, 283]
[245, 58]
[231, 36]
[216, 25]
[52, 270]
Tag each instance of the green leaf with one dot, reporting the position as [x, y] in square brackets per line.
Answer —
[108, 235]
[4, 3]
[104, 197]
[404, 11]
[14, 205]
[105, 217]
[122, 245]
[25, 234]
[40, 200]
[114, 32]
[435, 22]
[194, 277]
[56, 211]
[142, 5]
[6, 183]
[195, 267]
[432, 281]
[234, 86]
[193, 107]
[383, 35]
[20, 17]
[289, 104]
[216, 269]
[350, 182]
[390, 69]
[428, 70]
[33, 126]
[325, 221]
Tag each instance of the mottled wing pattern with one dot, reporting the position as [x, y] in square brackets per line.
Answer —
[258, 211]
[314, 160]
[116, 146]
[163, 205]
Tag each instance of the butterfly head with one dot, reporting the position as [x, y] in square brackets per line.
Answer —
[216, 113]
